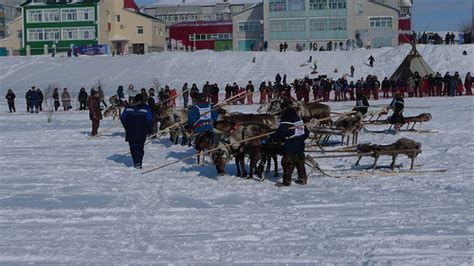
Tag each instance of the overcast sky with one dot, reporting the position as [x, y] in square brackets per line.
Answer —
[429, 15]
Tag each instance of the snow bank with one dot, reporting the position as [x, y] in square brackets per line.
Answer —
[175, 68]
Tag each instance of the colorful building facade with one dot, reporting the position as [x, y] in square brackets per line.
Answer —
[59, 24]
[200, 35]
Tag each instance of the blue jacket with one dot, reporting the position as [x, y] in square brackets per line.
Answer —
[292, 138]
[34, 97]
[137, 121]
[200, 119]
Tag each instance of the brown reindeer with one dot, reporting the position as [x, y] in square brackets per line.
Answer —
[349, 125]
[233, 145]
[404, 146]
[167, 119]
[424, 117]
[306, 111]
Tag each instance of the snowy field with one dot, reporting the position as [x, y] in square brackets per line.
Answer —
[66, 198]
[175, 68]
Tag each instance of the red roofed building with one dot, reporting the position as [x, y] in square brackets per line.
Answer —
[200, 35]
[130, 4]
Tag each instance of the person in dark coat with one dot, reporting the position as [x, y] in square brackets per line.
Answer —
[83, 99]
[28, 99]
[371, 61]
[397, 105]
[56, 99]
[228, 91]
[194, 93]
[214, 94]
[120, 94]
[278, 78]
[206, 89]
[185, 93]
[34, 100]
[137, 121]
[40, 100]
[292, 132]
[362, 104]
[11, 100]
[95, 114]
[152, 103]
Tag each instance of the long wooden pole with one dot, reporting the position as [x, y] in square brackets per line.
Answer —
[177, 125]
[364, 154]
[215, 149]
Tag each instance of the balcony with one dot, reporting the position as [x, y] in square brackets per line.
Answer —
[327, 13]
[329, 35]
[287, 14]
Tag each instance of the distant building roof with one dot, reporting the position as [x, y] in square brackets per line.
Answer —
[159, 3]
[203, 23]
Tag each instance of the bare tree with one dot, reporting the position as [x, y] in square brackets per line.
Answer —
[156, 84]
[49, 103]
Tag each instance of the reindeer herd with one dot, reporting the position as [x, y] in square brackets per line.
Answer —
[238, 136]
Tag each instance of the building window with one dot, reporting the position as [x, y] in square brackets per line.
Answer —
[277, 5]
[86, 14]
[296, 5]
[337, 24]
[35, 35]
[208, 37]
[87, 33]
[117, 18]
[382, 22]
[69, 14]
[35, 15]
[337, 4]
[318, 25]
[249, 26]
[318, 4]
[83, 33]
[51, 15]
[19, 34]
[140, 30]
[277, 25]
[296, 25]
[51, 34]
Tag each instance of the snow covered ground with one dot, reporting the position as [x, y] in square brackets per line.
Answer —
[175, 68]
[66, 198]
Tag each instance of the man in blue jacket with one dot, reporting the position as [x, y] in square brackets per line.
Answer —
[292, 132]
[34, 100]
[137, 121]
[201, 118]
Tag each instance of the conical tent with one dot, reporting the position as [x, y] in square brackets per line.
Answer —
[414, 62]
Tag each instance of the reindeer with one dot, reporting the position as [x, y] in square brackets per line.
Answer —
[349, 125]
[114, 108]
[424, 117]
[233, 144]
[267, 120]
[404, 146]
[168, 119]
[378, 113]
[306, 111]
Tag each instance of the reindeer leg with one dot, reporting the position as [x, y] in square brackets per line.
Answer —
[376, 158]
[358, 160]
[413, 127]
[412, 162]
[275, 161]
[394, 158]
[237, 165]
